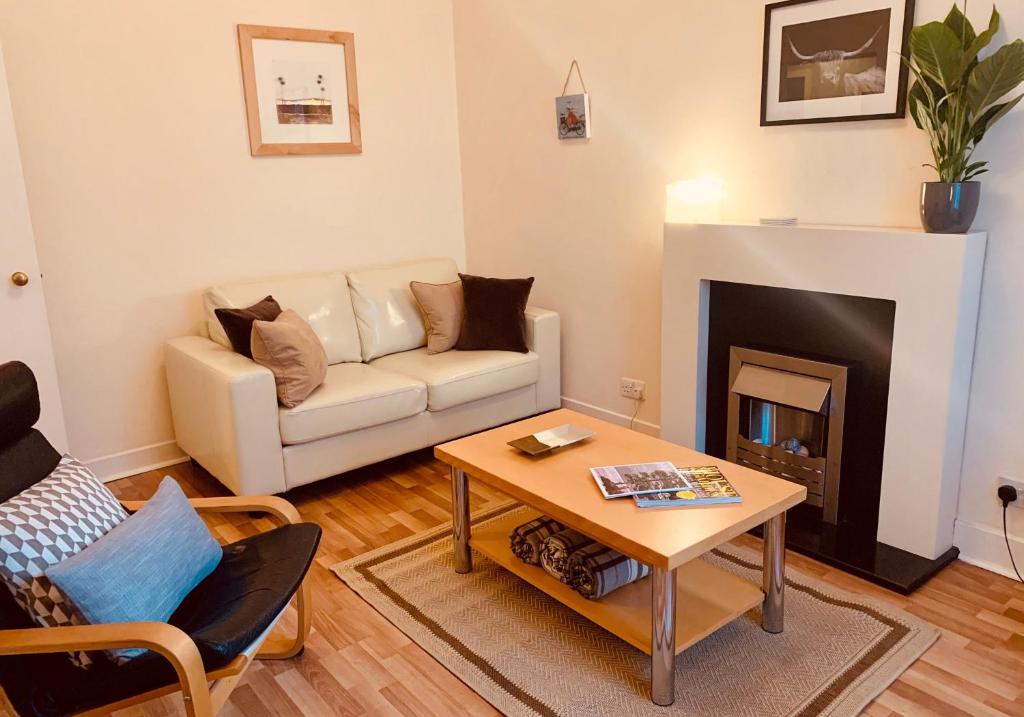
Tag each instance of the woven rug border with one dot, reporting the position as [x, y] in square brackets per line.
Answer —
[906, 644]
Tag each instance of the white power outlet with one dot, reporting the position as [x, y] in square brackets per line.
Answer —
[1018, 484]
[632, 388]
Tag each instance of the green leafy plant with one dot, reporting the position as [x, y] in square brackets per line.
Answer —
[956, 96]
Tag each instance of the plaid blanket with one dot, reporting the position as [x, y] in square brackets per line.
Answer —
[595, 570]
[526, 539]
[556, 549]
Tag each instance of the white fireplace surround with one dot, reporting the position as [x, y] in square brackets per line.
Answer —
[935, 280]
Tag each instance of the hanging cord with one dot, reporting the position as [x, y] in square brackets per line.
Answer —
[568, 76]
[1006, 536]
[635, 412]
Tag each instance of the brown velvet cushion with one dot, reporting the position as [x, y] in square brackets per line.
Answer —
[495, 314]
[290, 348]
[441, 306]
[237, 323]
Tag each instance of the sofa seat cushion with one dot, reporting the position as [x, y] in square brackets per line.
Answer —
[353, 396]
[456, 377]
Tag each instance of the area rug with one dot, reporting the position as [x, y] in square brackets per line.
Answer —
[526, 654]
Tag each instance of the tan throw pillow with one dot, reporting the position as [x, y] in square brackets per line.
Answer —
[442, 307]
[290, 348]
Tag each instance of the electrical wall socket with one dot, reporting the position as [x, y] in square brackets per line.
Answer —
[1018, 484]
[632, 388]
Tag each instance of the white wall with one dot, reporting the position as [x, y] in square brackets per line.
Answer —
[131, 123]
[675, 92]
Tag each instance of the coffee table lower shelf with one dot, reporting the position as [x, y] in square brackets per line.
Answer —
[707, 597]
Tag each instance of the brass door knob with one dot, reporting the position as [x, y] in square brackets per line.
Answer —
[19, 278]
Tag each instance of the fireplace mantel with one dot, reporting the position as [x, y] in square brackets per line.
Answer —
[935, 281]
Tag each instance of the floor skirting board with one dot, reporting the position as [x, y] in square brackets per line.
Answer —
[136, 460]
[619, 419]
[985, 547]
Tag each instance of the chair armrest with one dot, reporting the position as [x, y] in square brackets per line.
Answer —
[272, 505]
[543, 337]
[226, 414]
[168, 641]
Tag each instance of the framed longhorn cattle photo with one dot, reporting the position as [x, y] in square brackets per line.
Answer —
[834, 60]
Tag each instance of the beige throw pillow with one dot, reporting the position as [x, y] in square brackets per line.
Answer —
[442, 307]
[290, 348]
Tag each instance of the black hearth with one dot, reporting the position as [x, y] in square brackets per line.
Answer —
[821, 329]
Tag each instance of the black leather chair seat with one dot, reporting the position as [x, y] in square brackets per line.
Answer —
[223, 615]
[251, 586]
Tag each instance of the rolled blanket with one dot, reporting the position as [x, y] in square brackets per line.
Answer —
[556, 549]
[595, 570]
[526, 539]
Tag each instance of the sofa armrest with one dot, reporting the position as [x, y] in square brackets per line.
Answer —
[168, 641]
[226, 414]
[543, 337]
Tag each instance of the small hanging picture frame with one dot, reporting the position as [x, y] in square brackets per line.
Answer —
[572, 112]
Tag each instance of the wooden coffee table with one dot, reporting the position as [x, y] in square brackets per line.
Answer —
[670, 540]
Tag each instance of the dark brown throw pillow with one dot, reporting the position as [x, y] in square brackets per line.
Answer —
[237, 323]
[495, 314]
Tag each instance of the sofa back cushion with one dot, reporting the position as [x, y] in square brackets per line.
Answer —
[386, 313]
[323, 300]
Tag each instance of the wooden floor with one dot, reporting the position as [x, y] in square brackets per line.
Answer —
[356, 663]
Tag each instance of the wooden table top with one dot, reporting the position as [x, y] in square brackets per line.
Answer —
[560, 484]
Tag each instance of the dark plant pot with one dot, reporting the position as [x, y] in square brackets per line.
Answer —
[949, 207]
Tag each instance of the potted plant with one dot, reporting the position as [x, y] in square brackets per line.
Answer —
[956, 98]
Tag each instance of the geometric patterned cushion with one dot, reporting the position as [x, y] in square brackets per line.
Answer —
[54, 519]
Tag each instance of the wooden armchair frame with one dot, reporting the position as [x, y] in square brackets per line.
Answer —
[204, 693]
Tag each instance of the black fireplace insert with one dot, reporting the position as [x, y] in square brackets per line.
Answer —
[852, 332]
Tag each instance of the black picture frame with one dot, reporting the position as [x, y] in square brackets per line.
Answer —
[901, 92]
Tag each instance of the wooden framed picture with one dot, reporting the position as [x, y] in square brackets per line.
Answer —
[300, 90]
[834, 60]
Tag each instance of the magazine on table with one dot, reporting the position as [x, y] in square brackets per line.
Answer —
[705, 486]
[638, 478]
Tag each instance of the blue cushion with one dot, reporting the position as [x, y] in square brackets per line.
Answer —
[144, 568]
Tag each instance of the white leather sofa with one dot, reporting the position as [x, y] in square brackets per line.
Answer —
[383, 396]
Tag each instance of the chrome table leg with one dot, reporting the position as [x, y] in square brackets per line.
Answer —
[460, 521]
[663, 636]
[773, 609]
